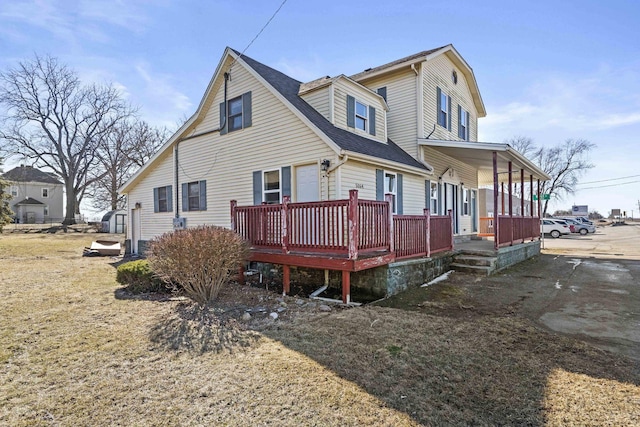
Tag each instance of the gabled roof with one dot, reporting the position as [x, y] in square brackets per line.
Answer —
[427, 55]
[29, 201]
[30, 174]
[348, 141]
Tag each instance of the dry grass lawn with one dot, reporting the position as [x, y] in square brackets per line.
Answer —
[71, 353]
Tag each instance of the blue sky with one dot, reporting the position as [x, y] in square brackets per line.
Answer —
[549, 70]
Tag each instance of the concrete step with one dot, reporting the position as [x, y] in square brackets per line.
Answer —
[482, 270]
[475, 260]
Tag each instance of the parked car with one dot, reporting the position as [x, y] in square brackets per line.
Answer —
[554, 227]
[582, 219]
[580, 227]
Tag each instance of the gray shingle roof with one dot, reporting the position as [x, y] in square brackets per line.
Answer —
[396, 62]
[289, 87]
[30, 174]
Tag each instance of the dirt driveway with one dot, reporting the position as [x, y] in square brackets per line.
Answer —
[587, 287]
[584, 286]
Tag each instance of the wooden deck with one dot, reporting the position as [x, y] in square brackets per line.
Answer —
[346, 235]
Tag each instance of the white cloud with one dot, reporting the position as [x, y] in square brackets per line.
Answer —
[598, 102]
[304, 71]
[125, 14]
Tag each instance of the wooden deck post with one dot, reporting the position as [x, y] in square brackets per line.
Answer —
[533, 230]
[427, 217]
[539, 208]
[392, 243]
[234, 221]
[496, 227]
[352, 214]
[286, 279]
[346, 286]
[511, 202]
[453, 228]
[285, 221]
[522, 228]
[241, 275]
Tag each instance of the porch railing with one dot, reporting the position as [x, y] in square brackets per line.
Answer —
[422, 235]
[343, 227]
[517, 229]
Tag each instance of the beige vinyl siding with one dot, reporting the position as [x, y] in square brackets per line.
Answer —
[437, 73]
[353, 174]
[153, 224]
[319, 100]
[413, 194]
[277, 138]
[402, 102]
[342, 88]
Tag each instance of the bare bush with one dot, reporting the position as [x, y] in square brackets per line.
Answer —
[199, 260]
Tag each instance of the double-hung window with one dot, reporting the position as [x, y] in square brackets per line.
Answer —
[391, 187]
[45, 193]
[14, 191]
[194, 196]
[162, 199]
[45, 210]
[465, 202]
[235, 114]
[443, 109]
[271, 191]
[463, 124]
[433, 198]
[362, 118]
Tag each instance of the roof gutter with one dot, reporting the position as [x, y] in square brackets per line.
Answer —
[391, 164]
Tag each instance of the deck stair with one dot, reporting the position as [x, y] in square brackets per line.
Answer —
[475, 262]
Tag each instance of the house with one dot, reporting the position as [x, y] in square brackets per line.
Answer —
[37, 196]
[404, 132]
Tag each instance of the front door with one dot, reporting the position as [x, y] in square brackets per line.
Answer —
[307, 183]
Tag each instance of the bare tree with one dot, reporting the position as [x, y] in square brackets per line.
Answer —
[59, 123]
[564, 163]
[6, 214]
[123, 150]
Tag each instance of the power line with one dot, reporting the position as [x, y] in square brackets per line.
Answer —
[611, 179]
[259, 32]
[610, 185]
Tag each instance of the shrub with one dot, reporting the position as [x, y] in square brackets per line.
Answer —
[139, 278]
[200, 260]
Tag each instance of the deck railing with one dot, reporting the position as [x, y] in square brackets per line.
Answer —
[342, 227]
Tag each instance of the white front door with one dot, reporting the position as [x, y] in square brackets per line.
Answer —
[307, 183]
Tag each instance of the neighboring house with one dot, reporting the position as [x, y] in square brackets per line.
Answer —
[37, 196]
[407, 128]
[485, 204]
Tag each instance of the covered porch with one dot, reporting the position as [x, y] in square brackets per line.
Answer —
[501, 168]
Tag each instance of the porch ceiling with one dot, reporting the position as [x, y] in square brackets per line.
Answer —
[480, 156]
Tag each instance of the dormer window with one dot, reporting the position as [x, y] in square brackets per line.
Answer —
[361, 116]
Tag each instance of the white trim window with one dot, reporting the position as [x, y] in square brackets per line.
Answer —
[433, 198]
[271, 188]
[391, 187]
[465, 202]
[444, 109]
[14, 191]
[463, 125]
[46, 210]
[362, 116]
[45, 193]
[193, 194]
